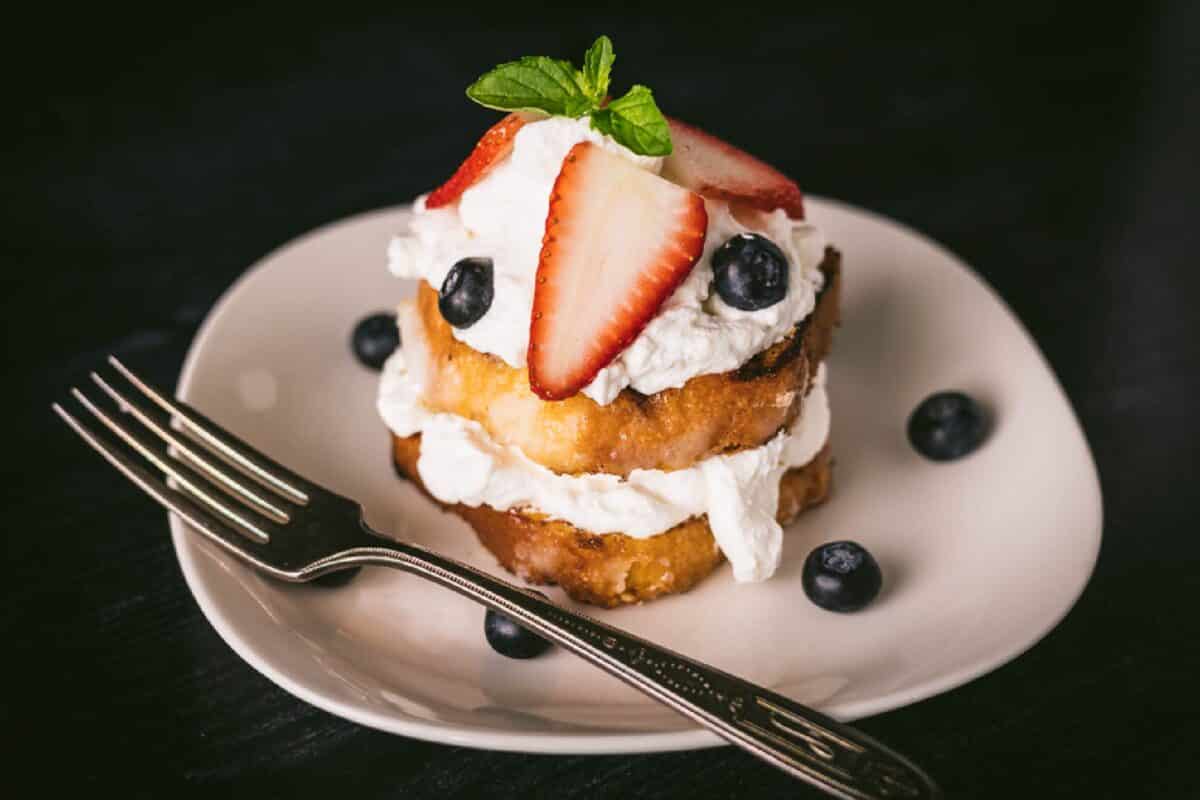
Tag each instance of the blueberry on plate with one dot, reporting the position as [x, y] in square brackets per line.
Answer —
[341, 577]
[750, 272]
[375, 338]
[467, 292]
[509, 639]
[841, 576]
[946, 426]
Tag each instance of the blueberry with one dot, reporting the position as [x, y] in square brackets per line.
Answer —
[375, 338]
[509, 639]
[338, 578]
[841, 576]
[946, 426]
[467, 292]
[750, 272]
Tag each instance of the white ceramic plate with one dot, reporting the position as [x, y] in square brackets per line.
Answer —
[981, 557]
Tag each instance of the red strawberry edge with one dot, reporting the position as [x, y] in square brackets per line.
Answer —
[491, 148]
[767, 189]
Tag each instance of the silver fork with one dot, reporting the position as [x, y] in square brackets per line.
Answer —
[294, 530]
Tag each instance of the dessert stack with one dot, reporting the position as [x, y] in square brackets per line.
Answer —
[612, 369]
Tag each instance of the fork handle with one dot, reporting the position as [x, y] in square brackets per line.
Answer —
[802, 742]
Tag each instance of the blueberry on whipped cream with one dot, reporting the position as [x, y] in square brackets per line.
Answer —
[750, 272]
[466, 293]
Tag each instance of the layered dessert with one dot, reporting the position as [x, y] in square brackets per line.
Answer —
[613, 366]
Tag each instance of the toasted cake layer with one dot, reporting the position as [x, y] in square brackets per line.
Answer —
[669, 430]
[611, 569]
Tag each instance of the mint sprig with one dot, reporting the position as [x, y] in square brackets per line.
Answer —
[554, 86]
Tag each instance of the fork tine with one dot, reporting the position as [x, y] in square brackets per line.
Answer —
[198, 462]
[185, 476]
[271, 474]
[171, 499]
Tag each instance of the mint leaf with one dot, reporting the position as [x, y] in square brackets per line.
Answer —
[597, 68]
[554, 86]
[635, 122]
[533, 83]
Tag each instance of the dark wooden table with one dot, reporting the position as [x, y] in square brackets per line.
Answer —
[148, 160]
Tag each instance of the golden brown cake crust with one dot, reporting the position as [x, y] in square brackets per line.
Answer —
[612, 569]
[669, 430]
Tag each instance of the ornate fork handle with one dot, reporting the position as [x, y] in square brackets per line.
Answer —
[800, 741]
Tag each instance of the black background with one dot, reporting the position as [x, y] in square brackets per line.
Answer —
[148, 158]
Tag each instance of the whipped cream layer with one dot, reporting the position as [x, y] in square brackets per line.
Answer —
[461, 463]
[503, 218]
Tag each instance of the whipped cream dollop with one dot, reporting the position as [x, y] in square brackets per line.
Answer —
[503, 217]
[461, 463]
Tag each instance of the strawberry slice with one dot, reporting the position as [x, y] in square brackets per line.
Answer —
[491, 149]
[714, 168]
[618, 241]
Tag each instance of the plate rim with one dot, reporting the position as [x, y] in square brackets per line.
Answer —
[562, 743]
